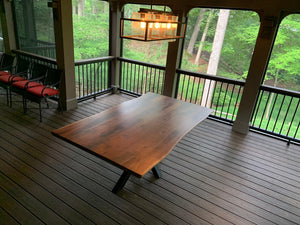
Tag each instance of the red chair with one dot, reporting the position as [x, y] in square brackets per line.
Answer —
[37, 77]
[50, 89]
[6, 64]
[20, 72]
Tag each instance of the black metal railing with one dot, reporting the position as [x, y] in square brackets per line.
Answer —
[46, 50]
[277, 112]
[138, 77]
[219, 93]
[33, 58]
[92, 77]
[38, 47]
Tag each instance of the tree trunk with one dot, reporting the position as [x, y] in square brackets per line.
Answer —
[74, 10]
[195, 32]
[80, 7]
[213, 63]
[272, 95]
[203, 38]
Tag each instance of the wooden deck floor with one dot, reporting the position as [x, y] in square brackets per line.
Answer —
[213, 176]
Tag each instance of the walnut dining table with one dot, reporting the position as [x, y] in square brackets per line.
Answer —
[135, 135]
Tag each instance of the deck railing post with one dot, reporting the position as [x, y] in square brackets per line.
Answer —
[115, 44]
[174, 58]
[63, 29]
[8, 26]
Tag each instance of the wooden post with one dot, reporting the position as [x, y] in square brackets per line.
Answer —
[115, 43]
[63, 29]
[258, 66]
[9, 37]
[173, 59]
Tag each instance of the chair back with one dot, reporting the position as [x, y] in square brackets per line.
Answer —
[38, 71]
[53, 78]
[6, 62]
[23, 67]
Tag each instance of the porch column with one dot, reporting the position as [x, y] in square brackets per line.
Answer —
[258, 66]
[63, 29]
[115, 43]
[8, 31]
[174, 58]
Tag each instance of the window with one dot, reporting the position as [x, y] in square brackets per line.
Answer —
[90, 28]
[34, 27]
[220, 41]
[284, 69]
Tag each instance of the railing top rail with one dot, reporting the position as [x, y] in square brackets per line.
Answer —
[88, 61]
[38, 47]
[38, 57]
[280, 91]
[211, 77]
[156, 66]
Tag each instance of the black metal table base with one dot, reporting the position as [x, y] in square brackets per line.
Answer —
[156, 172]
[125, 176]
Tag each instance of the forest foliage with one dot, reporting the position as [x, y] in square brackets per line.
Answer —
[91, 40]
[91, 32]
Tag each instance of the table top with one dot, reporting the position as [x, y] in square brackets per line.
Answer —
[135, 135]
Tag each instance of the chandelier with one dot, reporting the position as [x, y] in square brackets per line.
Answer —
[151, 25]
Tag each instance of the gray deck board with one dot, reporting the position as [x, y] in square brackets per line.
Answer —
[212, 176]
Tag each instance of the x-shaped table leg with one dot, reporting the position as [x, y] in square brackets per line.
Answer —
[125, 176]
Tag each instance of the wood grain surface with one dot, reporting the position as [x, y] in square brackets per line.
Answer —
[135, 135]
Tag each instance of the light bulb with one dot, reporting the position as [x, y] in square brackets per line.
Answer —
[157, 25]
[174, 25]
[143, 25]
[168, 25]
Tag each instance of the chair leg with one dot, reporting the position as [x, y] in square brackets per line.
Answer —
[47, 103]
[60, 106]
[40, 107]
[24, 105]
[7, 97]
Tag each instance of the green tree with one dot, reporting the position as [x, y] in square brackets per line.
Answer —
[284, 64]
[91, 30]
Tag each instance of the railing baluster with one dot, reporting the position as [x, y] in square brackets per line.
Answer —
[79, 80]
[192, 91]
[229, 104]
[197, 89]
[138, 79]
[292, 120]
[264, 111]
[237, 101]
[287, 112]
[278, 113]
[134, 76]
[209, 90]
[224, 100]
[96, 77]
[271, 113]
[257, 106]
[182, 87]
[83, 80]
[295, 135]
[220, 91]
